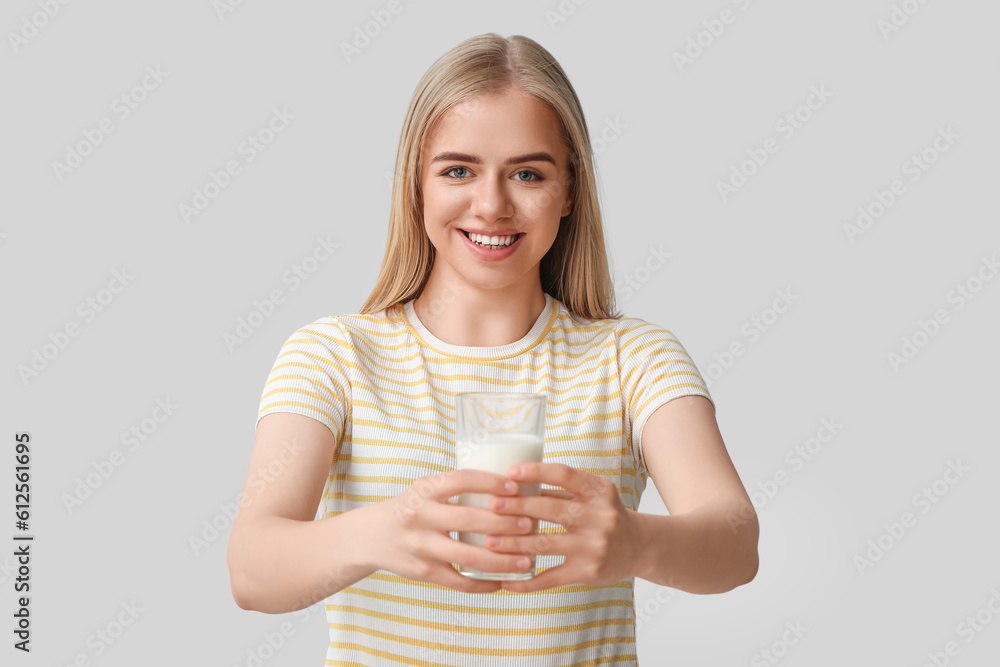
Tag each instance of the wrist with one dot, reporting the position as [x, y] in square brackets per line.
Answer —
[366, 524]
[644, 529]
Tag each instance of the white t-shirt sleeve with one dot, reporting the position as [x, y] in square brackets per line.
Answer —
[655, 368]
[311, 376]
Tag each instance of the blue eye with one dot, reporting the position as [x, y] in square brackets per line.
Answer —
[535, 177]
[527, 171]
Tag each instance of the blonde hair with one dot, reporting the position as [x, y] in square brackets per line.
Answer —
[575, 269]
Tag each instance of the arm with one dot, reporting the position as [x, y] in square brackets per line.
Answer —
[708, 543]
[280, 559]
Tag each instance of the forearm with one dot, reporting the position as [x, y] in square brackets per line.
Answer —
[278, 565]
[711, 550]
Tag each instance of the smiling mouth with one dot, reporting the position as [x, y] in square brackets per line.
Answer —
[492, 241]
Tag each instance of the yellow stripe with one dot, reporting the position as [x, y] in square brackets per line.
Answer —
[488, 611]
[445, 420]
[358, 333]
[355, 497]
[381, 460]
[411, 398]
[450, 418]
[371, 479]
[359, 498]
[392, 428]
[449, 406]
[380, 654]
[647, 329]
[372, 348]
[572, 437]
[606, 659]
[371, 353]
[311, 394]
[664, 391]
[468, 650]
[587, 452]
[603, 660]
[633, 398]
[626, 380]
[534, 385]
[277, 404]
[502, 632]
[320, 359]
[628, 376]
[444, 376]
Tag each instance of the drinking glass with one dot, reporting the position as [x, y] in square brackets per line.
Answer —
[493, 432]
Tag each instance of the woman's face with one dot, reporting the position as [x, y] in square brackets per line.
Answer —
[494, 165]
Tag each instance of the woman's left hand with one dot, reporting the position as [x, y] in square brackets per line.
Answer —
[601, 542]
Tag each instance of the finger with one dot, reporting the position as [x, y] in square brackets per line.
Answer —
[442, 486]
[558, 544]
[480, 558]
[477, 520]
[549, 508]
[578, 482]
[558, 493]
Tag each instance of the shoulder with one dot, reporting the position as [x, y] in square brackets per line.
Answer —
[646, 344]
[346, 330]
[633, 330]
[576, 328]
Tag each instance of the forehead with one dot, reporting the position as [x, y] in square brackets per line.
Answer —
[497, 124]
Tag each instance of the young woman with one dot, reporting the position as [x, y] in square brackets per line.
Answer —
[495, 278]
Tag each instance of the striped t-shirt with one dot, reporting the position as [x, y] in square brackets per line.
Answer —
[385, 387]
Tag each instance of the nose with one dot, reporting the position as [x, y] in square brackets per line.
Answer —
[491, 201]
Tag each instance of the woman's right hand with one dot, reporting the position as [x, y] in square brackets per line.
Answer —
[413, 541]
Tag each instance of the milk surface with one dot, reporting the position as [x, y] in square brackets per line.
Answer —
[497, 452]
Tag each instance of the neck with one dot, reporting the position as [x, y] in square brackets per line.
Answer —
[462, 314]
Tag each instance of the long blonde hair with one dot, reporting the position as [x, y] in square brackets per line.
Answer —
[575, 269]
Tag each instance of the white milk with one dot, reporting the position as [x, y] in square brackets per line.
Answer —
[496, 453]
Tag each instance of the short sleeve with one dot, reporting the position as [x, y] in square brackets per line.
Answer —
[311, 376]
[655, 368]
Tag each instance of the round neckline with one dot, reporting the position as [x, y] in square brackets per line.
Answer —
[535, 334]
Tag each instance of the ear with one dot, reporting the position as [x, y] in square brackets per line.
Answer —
[568, 205]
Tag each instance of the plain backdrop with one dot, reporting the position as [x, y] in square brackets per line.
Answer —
[822, 178]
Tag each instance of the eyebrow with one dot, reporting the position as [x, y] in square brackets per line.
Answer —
[453, 156]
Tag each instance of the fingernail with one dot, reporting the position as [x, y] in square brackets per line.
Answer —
[492, 541]
[523, 563]
[524, 523]
[499, 503]
[516, 471]
[511, 486]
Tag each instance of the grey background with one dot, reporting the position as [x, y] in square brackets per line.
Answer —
[681, 131]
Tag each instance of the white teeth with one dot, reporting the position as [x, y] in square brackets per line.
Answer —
[492, 240]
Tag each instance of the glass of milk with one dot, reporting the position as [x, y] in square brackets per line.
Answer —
[493, 432]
